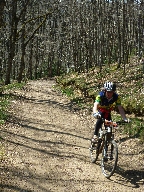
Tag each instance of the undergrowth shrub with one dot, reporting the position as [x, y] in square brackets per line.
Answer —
[3, 107]
[5, 98]
[83, 89]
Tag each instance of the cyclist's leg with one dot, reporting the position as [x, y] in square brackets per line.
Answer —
[98, 125]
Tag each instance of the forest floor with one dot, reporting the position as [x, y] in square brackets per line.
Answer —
[47, 143]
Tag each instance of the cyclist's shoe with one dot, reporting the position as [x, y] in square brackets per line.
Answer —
[105, 158]
[111, 157]
[94, 140]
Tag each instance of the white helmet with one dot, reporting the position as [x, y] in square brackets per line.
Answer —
[109, 86]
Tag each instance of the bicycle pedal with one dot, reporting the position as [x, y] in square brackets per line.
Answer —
[92, 148]
[105, 159]
[111, 158]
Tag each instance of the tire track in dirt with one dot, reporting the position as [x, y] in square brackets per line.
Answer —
[48, 148]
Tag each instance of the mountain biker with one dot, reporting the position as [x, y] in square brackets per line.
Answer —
[104, 104]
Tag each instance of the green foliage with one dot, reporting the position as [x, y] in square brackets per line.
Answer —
[4, 100]
[135, 128]
[130, 87]
[1, 87]
[14, 85]
[142, 134]
[68, 91]
[3, 106]
[134, 105]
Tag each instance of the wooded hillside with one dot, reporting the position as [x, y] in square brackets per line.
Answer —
[48, 37]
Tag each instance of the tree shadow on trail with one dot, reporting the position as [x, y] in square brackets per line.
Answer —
[17, 181]
[54, 131]
[26, 143]
[4, 187]
[135, 177]
[70, 106]
[45, 142]
[25, 126]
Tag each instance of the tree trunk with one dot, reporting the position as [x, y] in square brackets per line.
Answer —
[12, 41]
[119, 35]
[22, 64]
[2, 5]
[29, 73]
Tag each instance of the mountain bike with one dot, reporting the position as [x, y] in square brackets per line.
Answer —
[106, 146]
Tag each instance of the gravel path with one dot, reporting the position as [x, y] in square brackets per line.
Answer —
[47, 145]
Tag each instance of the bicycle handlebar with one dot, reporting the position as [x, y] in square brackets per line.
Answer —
[113, 123]
[121, 122]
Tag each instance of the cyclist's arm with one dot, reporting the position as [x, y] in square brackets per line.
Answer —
[95, 107]
[96, 104]
[120, 108]
[122, 112]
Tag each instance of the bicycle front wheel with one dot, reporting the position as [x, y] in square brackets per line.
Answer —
[94, 153]
[109, 159]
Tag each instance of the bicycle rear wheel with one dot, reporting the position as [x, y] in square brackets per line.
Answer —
[109, 160]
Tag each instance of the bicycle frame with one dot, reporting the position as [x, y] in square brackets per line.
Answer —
[107, 130]
[107, 146]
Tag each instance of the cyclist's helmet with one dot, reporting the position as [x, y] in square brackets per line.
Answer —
[109, 86]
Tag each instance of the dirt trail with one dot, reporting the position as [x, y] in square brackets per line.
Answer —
[48, 145]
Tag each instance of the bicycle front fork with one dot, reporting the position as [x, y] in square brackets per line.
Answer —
[105, 147]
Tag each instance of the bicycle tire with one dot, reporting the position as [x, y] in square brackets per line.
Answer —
[95, 150]
[109, 162]
[94, 153]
